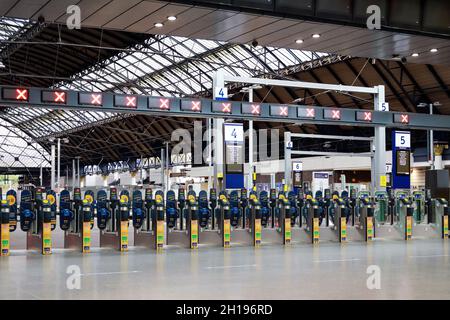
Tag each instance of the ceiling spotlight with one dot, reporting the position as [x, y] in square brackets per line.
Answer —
[158, 25]
[298, 41]
[316, 35]
[171, 18]
[434, 50]
[415, 54]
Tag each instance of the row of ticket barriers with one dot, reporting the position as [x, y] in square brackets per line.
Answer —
[225, 218]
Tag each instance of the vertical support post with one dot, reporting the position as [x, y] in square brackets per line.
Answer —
[59, 166]
[163, 182]
[73, 174]
[78, 173]
[41, 178]
[210, 162]
[432, 166]
[52, 176]
[287, 160]
[218, 81]
[167, 175]
[379, 167]
[250, 145]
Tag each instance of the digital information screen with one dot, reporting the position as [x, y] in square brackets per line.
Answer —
[53, 97]
[332, 114]
[191, 105]
[234, 158]
[221, 107]
[403, 162]
[125, 101]
[306, 113]
[281, 111]
[17, 94]
[401, 118]
[159, 103]
[364, 116]
[94, 99]
[251, 108]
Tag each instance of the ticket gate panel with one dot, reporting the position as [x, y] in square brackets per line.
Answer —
[4, 228]
[11, 197]
[138, 209]
[235, 212]
[66, 214]
[181, 205]
[204, 211]
[265, 208]
[159, 218]
[171, 210]
[103, 213]
[51, 197]
[213, 205]
[224, 219]
[27, 214]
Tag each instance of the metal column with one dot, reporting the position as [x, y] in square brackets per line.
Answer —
[52, 176]
[218, 82]
[59, 165]
[379, 159]
[287, 160]
[250, 145]
[73, 175]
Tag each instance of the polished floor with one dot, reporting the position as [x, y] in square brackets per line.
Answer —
[419, 269]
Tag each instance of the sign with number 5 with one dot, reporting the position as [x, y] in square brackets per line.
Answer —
[403, 139]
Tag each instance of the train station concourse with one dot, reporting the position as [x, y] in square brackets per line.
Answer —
[224, 150]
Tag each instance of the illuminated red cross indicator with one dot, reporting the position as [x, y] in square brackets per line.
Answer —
[335, 114]
[284, 111]
[131, 101]
[367, 116]
[256, 109]
[226, 107]
[164, 104]
[196, 106]
[21, 94]
[59, 96]
[96, 98]
[310, 113]
[404, 118]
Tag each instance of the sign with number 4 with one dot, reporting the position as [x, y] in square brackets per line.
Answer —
[220, 93]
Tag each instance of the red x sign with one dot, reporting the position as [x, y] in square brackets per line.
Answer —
[59, 96]
[284, 111]
[164, 104]
[226, 107]
[310, 113]
[336, 114]
[96, 98]
[131, 101]
[196, 106]
[21, 94]
[404, 118]
[368, 116]
[256, 109]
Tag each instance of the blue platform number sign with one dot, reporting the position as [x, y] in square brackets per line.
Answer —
[221, 93]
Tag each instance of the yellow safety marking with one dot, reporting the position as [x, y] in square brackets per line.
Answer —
[11, 199]
[222, 197]
[343, 229]
[5, 240]
[46, 238]
[258, 235]
[194, 234]
[408, 227]
[123, 236]
[158, 198]
[253, 196]
[159, 235]
[124, 198]
[445, 227]
[89, 198]
[285, 188]
[86, 237]
[383, 181]
[369, 223]
[287, 231]
[316, 230]
[226, 233]
[254, 176]
[191, 197]
[220, 175]
[51, 198]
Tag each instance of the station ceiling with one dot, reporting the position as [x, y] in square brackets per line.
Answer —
[409, 26]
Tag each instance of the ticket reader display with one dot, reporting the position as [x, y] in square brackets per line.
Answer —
[124, 210]
[4, 231]
[212, 205]
[366, 214]
[284, 208]
[11, 197]
[225, 223]
[159, 218]
[86, 226]
[192, 221]
[440, 211]
[404, 213]
[255, 219]
[340, 217]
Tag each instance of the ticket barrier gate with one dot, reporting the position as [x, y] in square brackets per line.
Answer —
[404, 214]
[339, 217]
[366, 211]
[192, 220]
[158, 227]
[441, 213]
[115, 214]
[241, 232]
[265, 208]
[51, 197]
[144, 235]
[224, 219]
[381, 210]
[89, 196]
[11, 197]
[311, 210]
[175, 219]
[284, 218]
[419, 207]
[37, 220]
[75, 220]
[4, 228]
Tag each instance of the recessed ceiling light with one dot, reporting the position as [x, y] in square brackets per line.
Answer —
[415, 54]
[171, 18]
[316, 35]
[158, 25]
[434, 50]
[298, 41]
